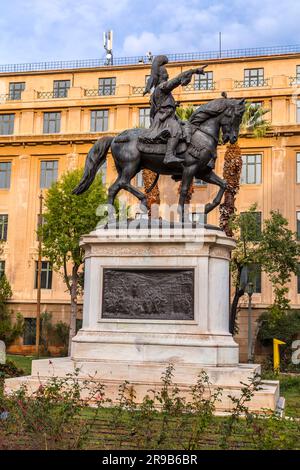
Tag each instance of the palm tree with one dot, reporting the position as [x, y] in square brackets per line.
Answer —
[253, 123]
[184, 114]
[153, 197]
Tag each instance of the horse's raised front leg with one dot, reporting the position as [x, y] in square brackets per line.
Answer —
[212, 178]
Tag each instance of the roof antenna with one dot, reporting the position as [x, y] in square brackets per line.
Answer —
[108, 46]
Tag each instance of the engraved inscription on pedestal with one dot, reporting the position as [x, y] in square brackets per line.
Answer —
[163, 294]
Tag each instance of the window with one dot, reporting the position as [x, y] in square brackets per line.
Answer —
[297, 74]
[48, 173]
[298, 225]
[255, 104]
[298, 280]
[2, 268]
[29, 335]
[298, 167]
[251, 170]
[253, 77]
[15, 90]
[144, 117]
[3, 226]
[253, 228]
[60, 88]
[5, 172]
[252, 273]
[199, 183]
[107, 86]
[7, 124]
[99, 120]
[204, 82]
[298, 111]
[46, 275]
[197, 217]
[139, 180]
[51, 123]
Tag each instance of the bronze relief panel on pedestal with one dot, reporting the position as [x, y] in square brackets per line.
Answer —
[152, 294]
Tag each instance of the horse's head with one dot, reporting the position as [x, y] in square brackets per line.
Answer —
[231, 120]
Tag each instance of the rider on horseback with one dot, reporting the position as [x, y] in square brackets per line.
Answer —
[165, 126]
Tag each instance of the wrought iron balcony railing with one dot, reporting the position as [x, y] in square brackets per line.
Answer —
[294, 81]
[91, 92]
[100, 91]
[209, 86]
[51, 95]
[9, 97]
[5, 97]
[138, 90]
[252, 83]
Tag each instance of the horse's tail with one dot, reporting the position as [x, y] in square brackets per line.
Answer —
[153, 184]
[94, 160]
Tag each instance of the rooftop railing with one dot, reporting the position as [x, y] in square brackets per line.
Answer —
[119, 61]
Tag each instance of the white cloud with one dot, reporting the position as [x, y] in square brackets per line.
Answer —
[34, 30]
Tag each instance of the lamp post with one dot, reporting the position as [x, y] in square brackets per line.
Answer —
[250, 290]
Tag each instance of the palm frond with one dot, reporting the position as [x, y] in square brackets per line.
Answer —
[184, 114]
[253, 120]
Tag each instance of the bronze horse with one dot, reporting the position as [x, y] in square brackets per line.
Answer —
[222, 114]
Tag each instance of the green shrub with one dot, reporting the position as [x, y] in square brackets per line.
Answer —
[57, 417]
[284, 327]
[9, 332]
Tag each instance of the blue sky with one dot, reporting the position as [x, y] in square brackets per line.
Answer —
[35, 30]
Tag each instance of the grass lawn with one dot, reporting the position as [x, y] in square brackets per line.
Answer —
[22, 362]
[290, 389]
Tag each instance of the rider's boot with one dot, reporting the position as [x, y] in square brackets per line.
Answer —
[170, 156]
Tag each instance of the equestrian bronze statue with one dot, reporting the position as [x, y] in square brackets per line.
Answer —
[165, 126]
[183, 150]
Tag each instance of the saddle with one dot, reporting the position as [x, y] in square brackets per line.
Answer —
[159, 147]
[146, 145]
[196, 142]
[158, 144]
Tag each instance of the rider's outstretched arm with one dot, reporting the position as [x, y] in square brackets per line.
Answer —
[182, 79]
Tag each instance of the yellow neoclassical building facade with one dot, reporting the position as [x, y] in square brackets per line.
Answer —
[52, 113]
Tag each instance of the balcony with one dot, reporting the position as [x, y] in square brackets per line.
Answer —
[138, 90]
[48, 95]
[252, 83]
[9, 97]
[91, 92]
[294, 81]
[209, 86]
[100, 92]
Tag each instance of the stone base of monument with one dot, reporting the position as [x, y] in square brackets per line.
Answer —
[153, 298]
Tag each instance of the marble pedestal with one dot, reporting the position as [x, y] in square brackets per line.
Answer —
[139, 349]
